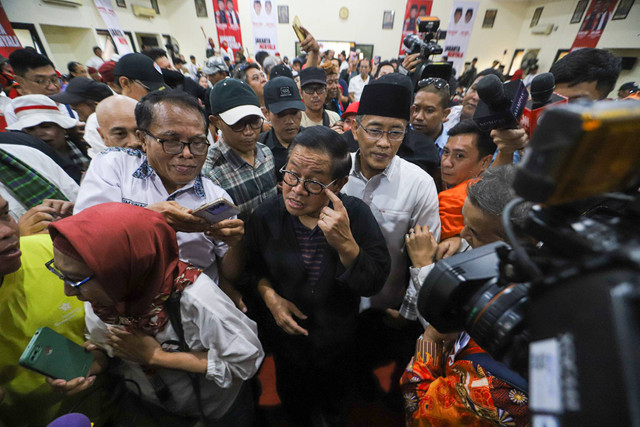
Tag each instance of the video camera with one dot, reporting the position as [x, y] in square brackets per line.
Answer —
[428, 26]
[565, 311]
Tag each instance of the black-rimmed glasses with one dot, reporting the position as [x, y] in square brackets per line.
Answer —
[197, 147]
[310, 185]
[52, 268]
[437, 82]
[375, 134]
[254, 122]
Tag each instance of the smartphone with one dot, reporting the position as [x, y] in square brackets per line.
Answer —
[217, 210]
[297, 27]
[56, 356]
[376, 60]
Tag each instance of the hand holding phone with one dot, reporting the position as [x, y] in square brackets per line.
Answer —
[56, 356]
[217, 210]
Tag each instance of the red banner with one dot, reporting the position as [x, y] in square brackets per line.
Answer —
[415, 9]
[8, 40]
[594, 22]
[228, 24]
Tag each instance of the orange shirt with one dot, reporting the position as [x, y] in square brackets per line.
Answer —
[451, 202]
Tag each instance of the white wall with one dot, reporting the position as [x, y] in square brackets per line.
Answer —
[178, 17]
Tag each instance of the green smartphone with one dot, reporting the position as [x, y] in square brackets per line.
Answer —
[56, 356]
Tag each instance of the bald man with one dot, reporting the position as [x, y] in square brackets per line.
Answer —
[117, 122]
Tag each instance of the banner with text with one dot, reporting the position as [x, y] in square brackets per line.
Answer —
[594, 23]
[113, 26]
[414, 10]
[265, 22]
[463, 15]
[228, 24]
[8, 40]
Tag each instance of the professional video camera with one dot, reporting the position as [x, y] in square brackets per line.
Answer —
[426, 46]
[565, 312]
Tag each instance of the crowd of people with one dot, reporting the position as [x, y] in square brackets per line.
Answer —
[350, 183]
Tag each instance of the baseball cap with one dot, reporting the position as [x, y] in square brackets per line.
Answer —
[81, 89]
[312, 75]
[214, 65]
[106, 71]
[137, 66]
[281, 93]
[351, 109]
[233, 99]
[280, 70]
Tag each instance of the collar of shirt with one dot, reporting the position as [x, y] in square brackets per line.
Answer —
[441, 141]
[387, 172]
[235, 160]
[146, 171]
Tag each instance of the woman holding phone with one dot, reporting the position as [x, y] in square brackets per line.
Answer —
[186, 352]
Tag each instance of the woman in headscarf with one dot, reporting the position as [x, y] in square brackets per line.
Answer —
[123, 261]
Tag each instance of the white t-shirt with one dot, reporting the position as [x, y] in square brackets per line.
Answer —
[356, 86]
[95, 62]
[44, 165]
[306, 121]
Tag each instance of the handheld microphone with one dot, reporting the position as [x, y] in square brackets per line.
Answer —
[501, 105]
[542, 97]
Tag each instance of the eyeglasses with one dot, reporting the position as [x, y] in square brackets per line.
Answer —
[142, 84]
[254, 122]
[52, 268]
[435, 81]
[375, 134]
[54, 80]
[309, 90]
[311, 186]
[197, 146]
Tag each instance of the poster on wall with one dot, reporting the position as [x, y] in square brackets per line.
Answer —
[228, 24]
[594, 23]
[265, 22]
[414, 10]
[8, 39]
[463, 15]
[113, 26]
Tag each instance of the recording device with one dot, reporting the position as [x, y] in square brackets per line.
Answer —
[500, 105]
[425, 46]
[217, 210]
[55, 356]
[564, 312]
[542, 97]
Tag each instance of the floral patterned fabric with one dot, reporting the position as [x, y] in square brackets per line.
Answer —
[452, 391]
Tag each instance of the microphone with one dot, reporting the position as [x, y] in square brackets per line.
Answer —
[501, 105]
[542, 97]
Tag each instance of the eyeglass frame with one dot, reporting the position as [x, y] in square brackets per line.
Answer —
[163, 140]
[246, 122]
[388, 132]
[320, 86]
[435, 81]
[304, 182]
[49, 80]
[52, 268]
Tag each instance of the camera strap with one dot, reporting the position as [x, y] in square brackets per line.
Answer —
[172, 305]
[498, 370]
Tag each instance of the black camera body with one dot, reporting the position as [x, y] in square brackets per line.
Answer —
[426, 46]
[564, 311]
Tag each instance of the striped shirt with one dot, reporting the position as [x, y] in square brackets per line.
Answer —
[247, 185]
[312, 244]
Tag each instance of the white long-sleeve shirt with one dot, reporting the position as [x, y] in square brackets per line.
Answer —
[400, 197]
[211, 323]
